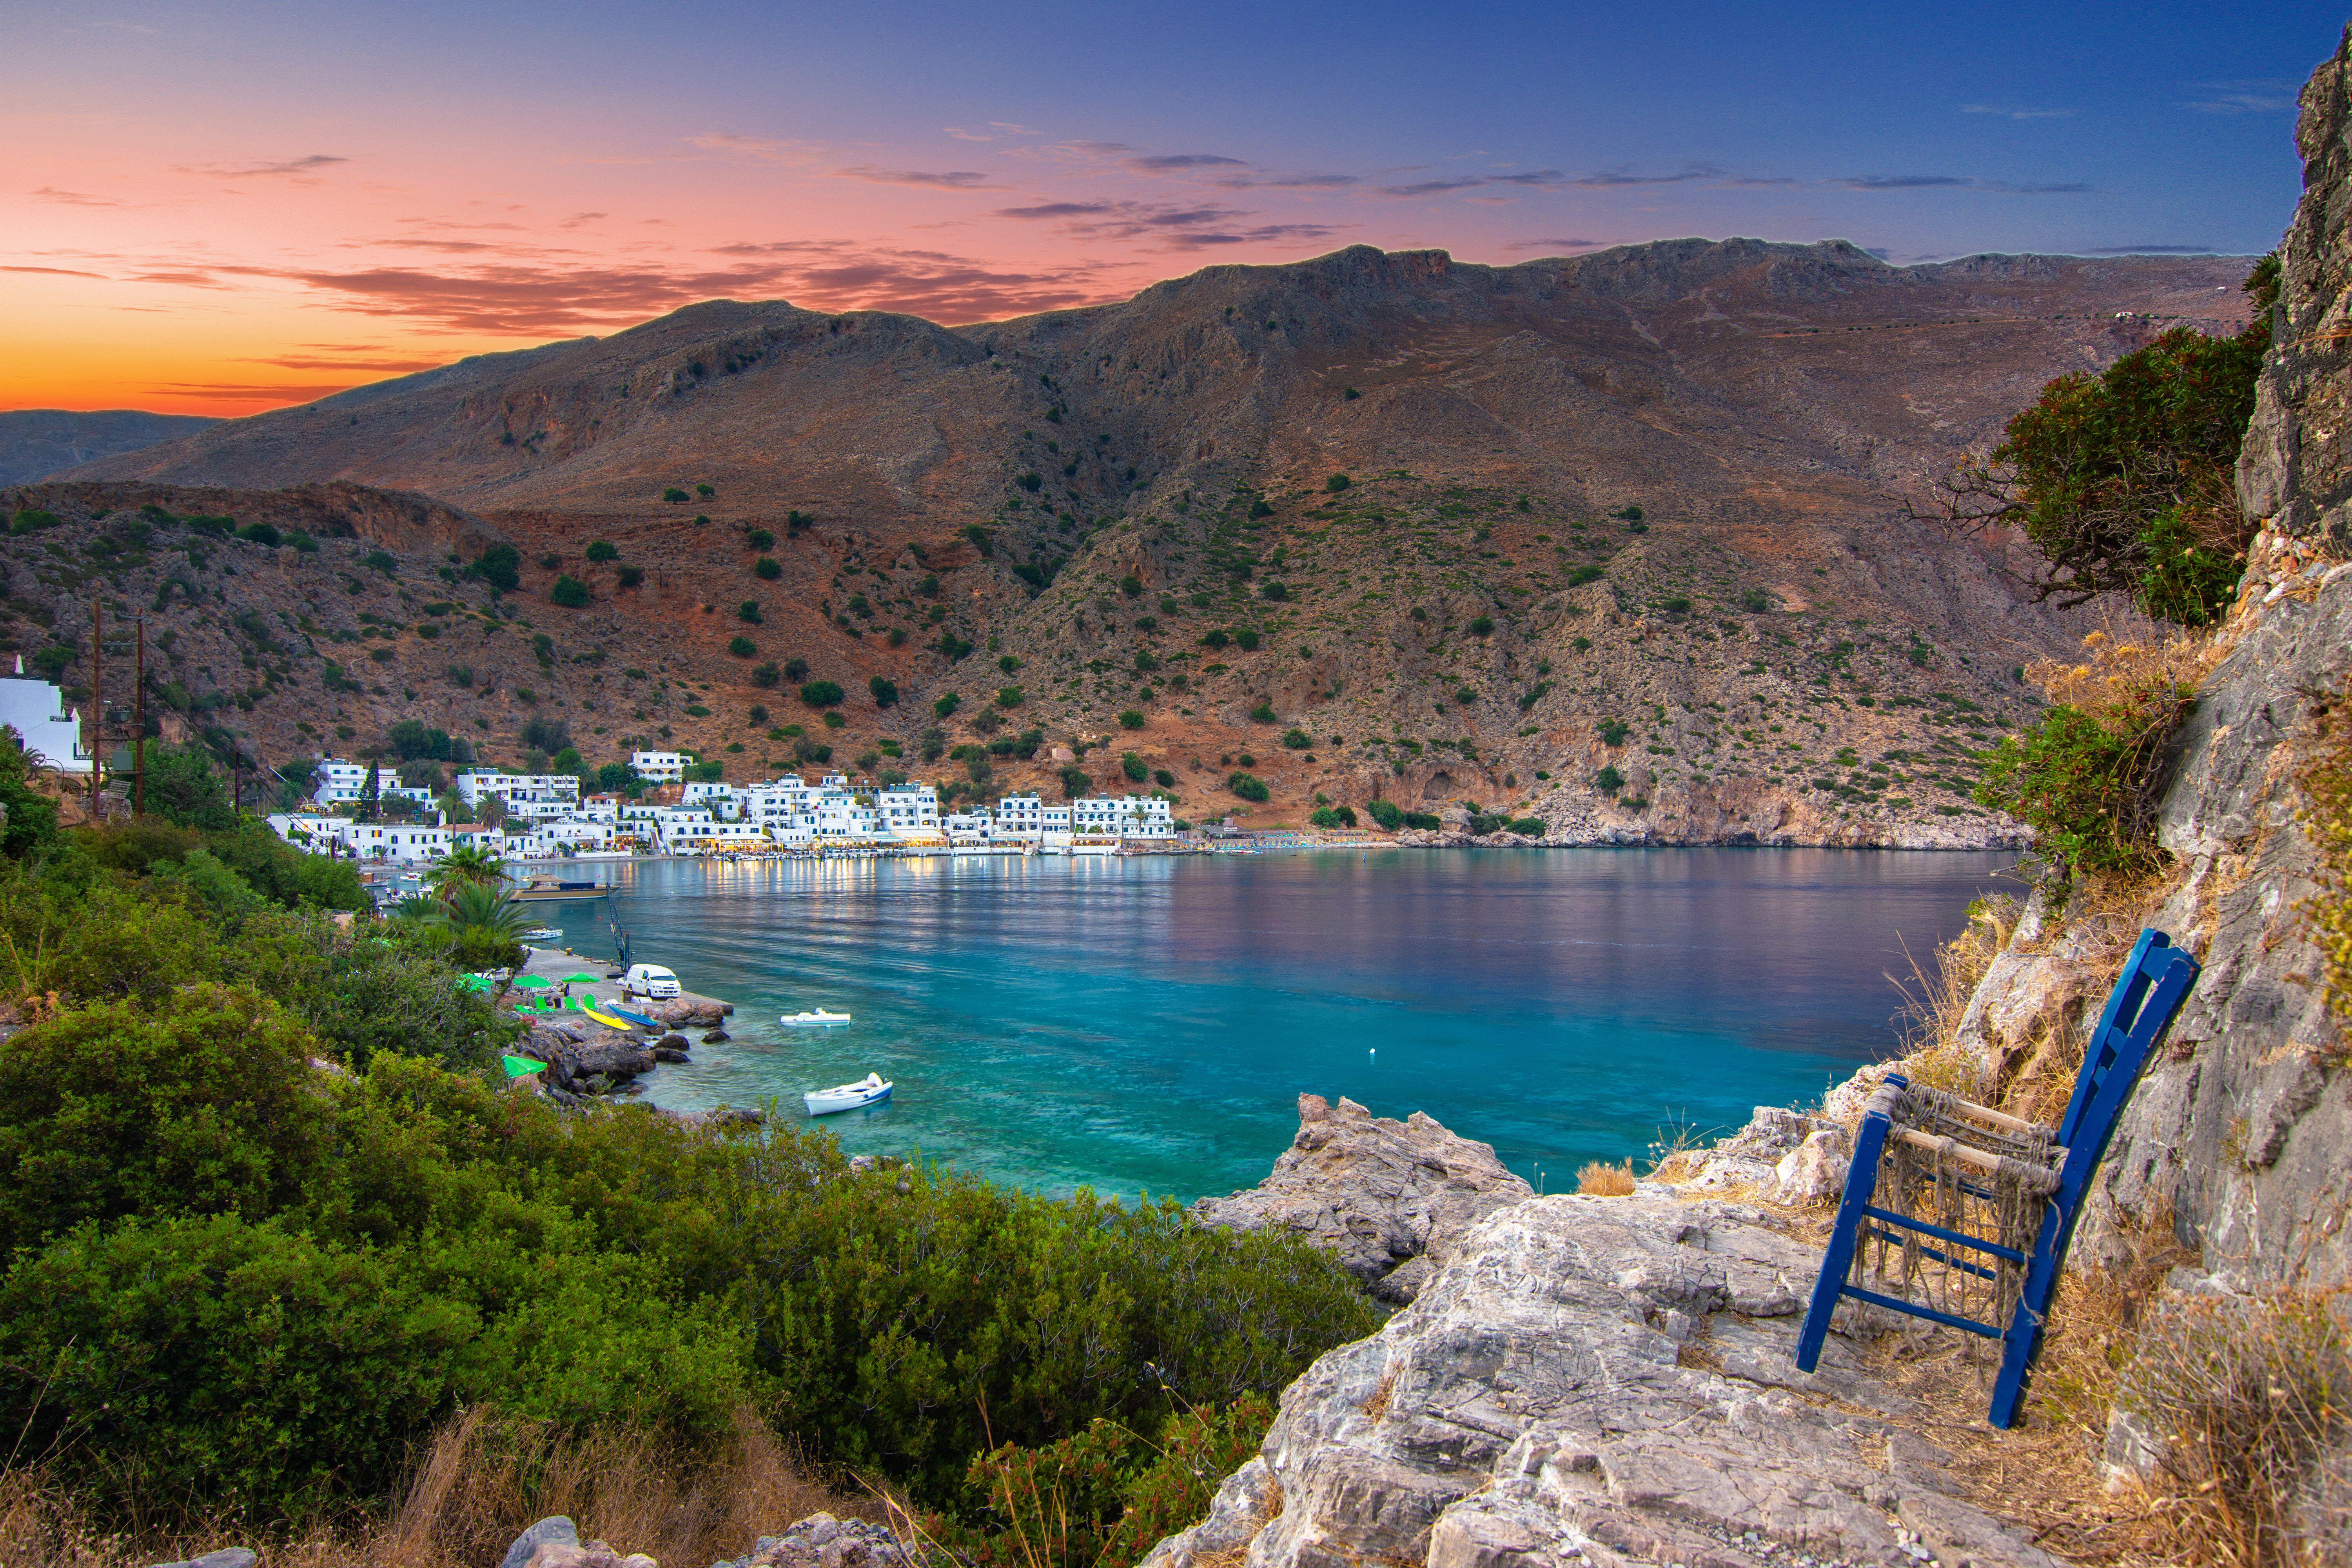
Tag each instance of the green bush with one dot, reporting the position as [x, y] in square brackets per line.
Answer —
[569, 591]
[1336, 483]
[602, 549]
[1388, 814]
[759, 539]
[1249, 786]
[1215, 638]
[675, 496]
[1133, 766]
[744, 647]
[1585, 573]
[1528, 826]
[1264, 713]
[1130, 718]
[768, 568]
[821, 693]
[2088, 781]
[1247, 637]
[884, 691]
[1131, 585]
[1009, 697]
[1614, 732]
[1297, 740]
[1482, 625]
[749, 612]
[1427, 821]
[946, 705]
[259, 533]
[1609, 781]
[1164, 778]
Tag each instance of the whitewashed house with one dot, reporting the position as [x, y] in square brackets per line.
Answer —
[664, 767]
[37, 711]
[909, 811]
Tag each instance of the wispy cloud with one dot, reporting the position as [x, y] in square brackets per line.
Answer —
[1175, 163]
[943, 180]
[397, 364]
[2002, 111]
[53, 271]
[1954, 183]
[1559, 246]
[1288, 182]
[2262, 96]
[2150, 250]
[1613, 177]
[1542, 179]
[273, 168]
[763, 149]
[75, 198]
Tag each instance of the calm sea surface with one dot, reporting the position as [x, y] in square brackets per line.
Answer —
[1148, 1024]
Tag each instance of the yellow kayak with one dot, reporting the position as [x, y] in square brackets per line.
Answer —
[590, 1010]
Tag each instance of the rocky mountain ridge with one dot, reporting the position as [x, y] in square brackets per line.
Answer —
[1614, 543]
[38, 441]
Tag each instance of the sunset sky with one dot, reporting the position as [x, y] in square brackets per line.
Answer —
[227, 208]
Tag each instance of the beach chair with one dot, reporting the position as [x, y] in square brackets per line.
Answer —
[1962, 1215]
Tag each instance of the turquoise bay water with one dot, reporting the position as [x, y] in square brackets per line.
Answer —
[1149, 1024]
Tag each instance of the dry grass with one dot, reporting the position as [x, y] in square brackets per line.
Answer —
[1603, 1180]
[1936, 997]
[2115, 665]
[477, 1485]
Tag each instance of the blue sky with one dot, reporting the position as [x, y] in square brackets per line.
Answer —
[355, 189]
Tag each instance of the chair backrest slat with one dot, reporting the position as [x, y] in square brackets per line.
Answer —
[2125, 1005]
[2171, 973]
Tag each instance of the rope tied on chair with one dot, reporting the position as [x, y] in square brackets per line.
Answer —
[1998, 1196]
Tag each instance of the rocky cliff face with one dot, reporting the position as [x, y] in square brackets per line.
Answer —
[1604, 1382]
[1390, 1199]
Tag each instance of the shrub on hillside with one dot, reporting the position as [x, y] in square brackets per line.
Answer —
[1249, 786]
[1130, 718]
[569, 591]
[821, 693]
[1388, 814]
[2087, 778]
[602, 549]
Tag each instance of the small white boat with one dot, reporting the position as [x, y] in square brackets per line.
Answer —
[544, 933]
[811, 1017]
[871, 1090]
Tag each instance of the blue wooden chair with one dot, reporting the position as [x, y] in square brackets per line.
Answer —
[1961, 1214]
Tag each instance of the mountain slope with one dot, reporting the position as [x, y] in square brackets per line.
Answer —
[1108, 500]
[38, 441]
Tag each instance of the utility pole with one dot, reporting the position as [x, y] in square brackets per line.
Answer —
[97, 705]
[139, 730]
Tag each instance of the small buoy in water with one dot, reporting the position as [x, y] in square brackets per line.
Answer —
[1373, 1051]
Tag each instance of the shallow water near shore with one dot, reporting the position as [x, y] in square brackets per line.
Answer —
[1147, 1024]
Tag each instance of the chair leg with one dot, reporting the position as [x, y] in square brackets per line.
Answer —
[2022, 1339]
[1837, 1262]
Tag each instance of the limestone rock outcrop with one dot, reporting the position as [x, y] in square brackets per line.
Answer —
[1391, 1198]
[1596, 1381]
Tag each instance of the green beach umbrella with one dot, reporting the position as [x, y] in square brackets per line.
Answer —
[522, 1066]
[576, 979]
[533, 982]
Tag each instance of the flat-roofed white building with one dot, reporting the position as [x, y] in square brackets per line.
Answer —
[666, 767]
[974, 827]
[1026, 818]
[392, 841]
[908, 811]
[1122, 817]
[37, 711]
[340, 782]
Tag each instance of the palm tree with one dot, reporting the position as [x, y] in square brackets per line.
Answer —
[471, 865]
[488, 926]
[473, 907]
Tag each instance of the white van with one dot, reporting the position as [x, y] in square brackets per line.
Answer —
[650, 981]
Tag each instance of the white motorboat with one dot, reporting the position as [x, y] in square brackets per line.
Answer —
[544, 933]
[871, 1090]
[811, 1017]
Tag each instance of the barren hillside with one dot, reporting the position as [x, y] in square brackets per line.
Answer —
[1111, 507]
